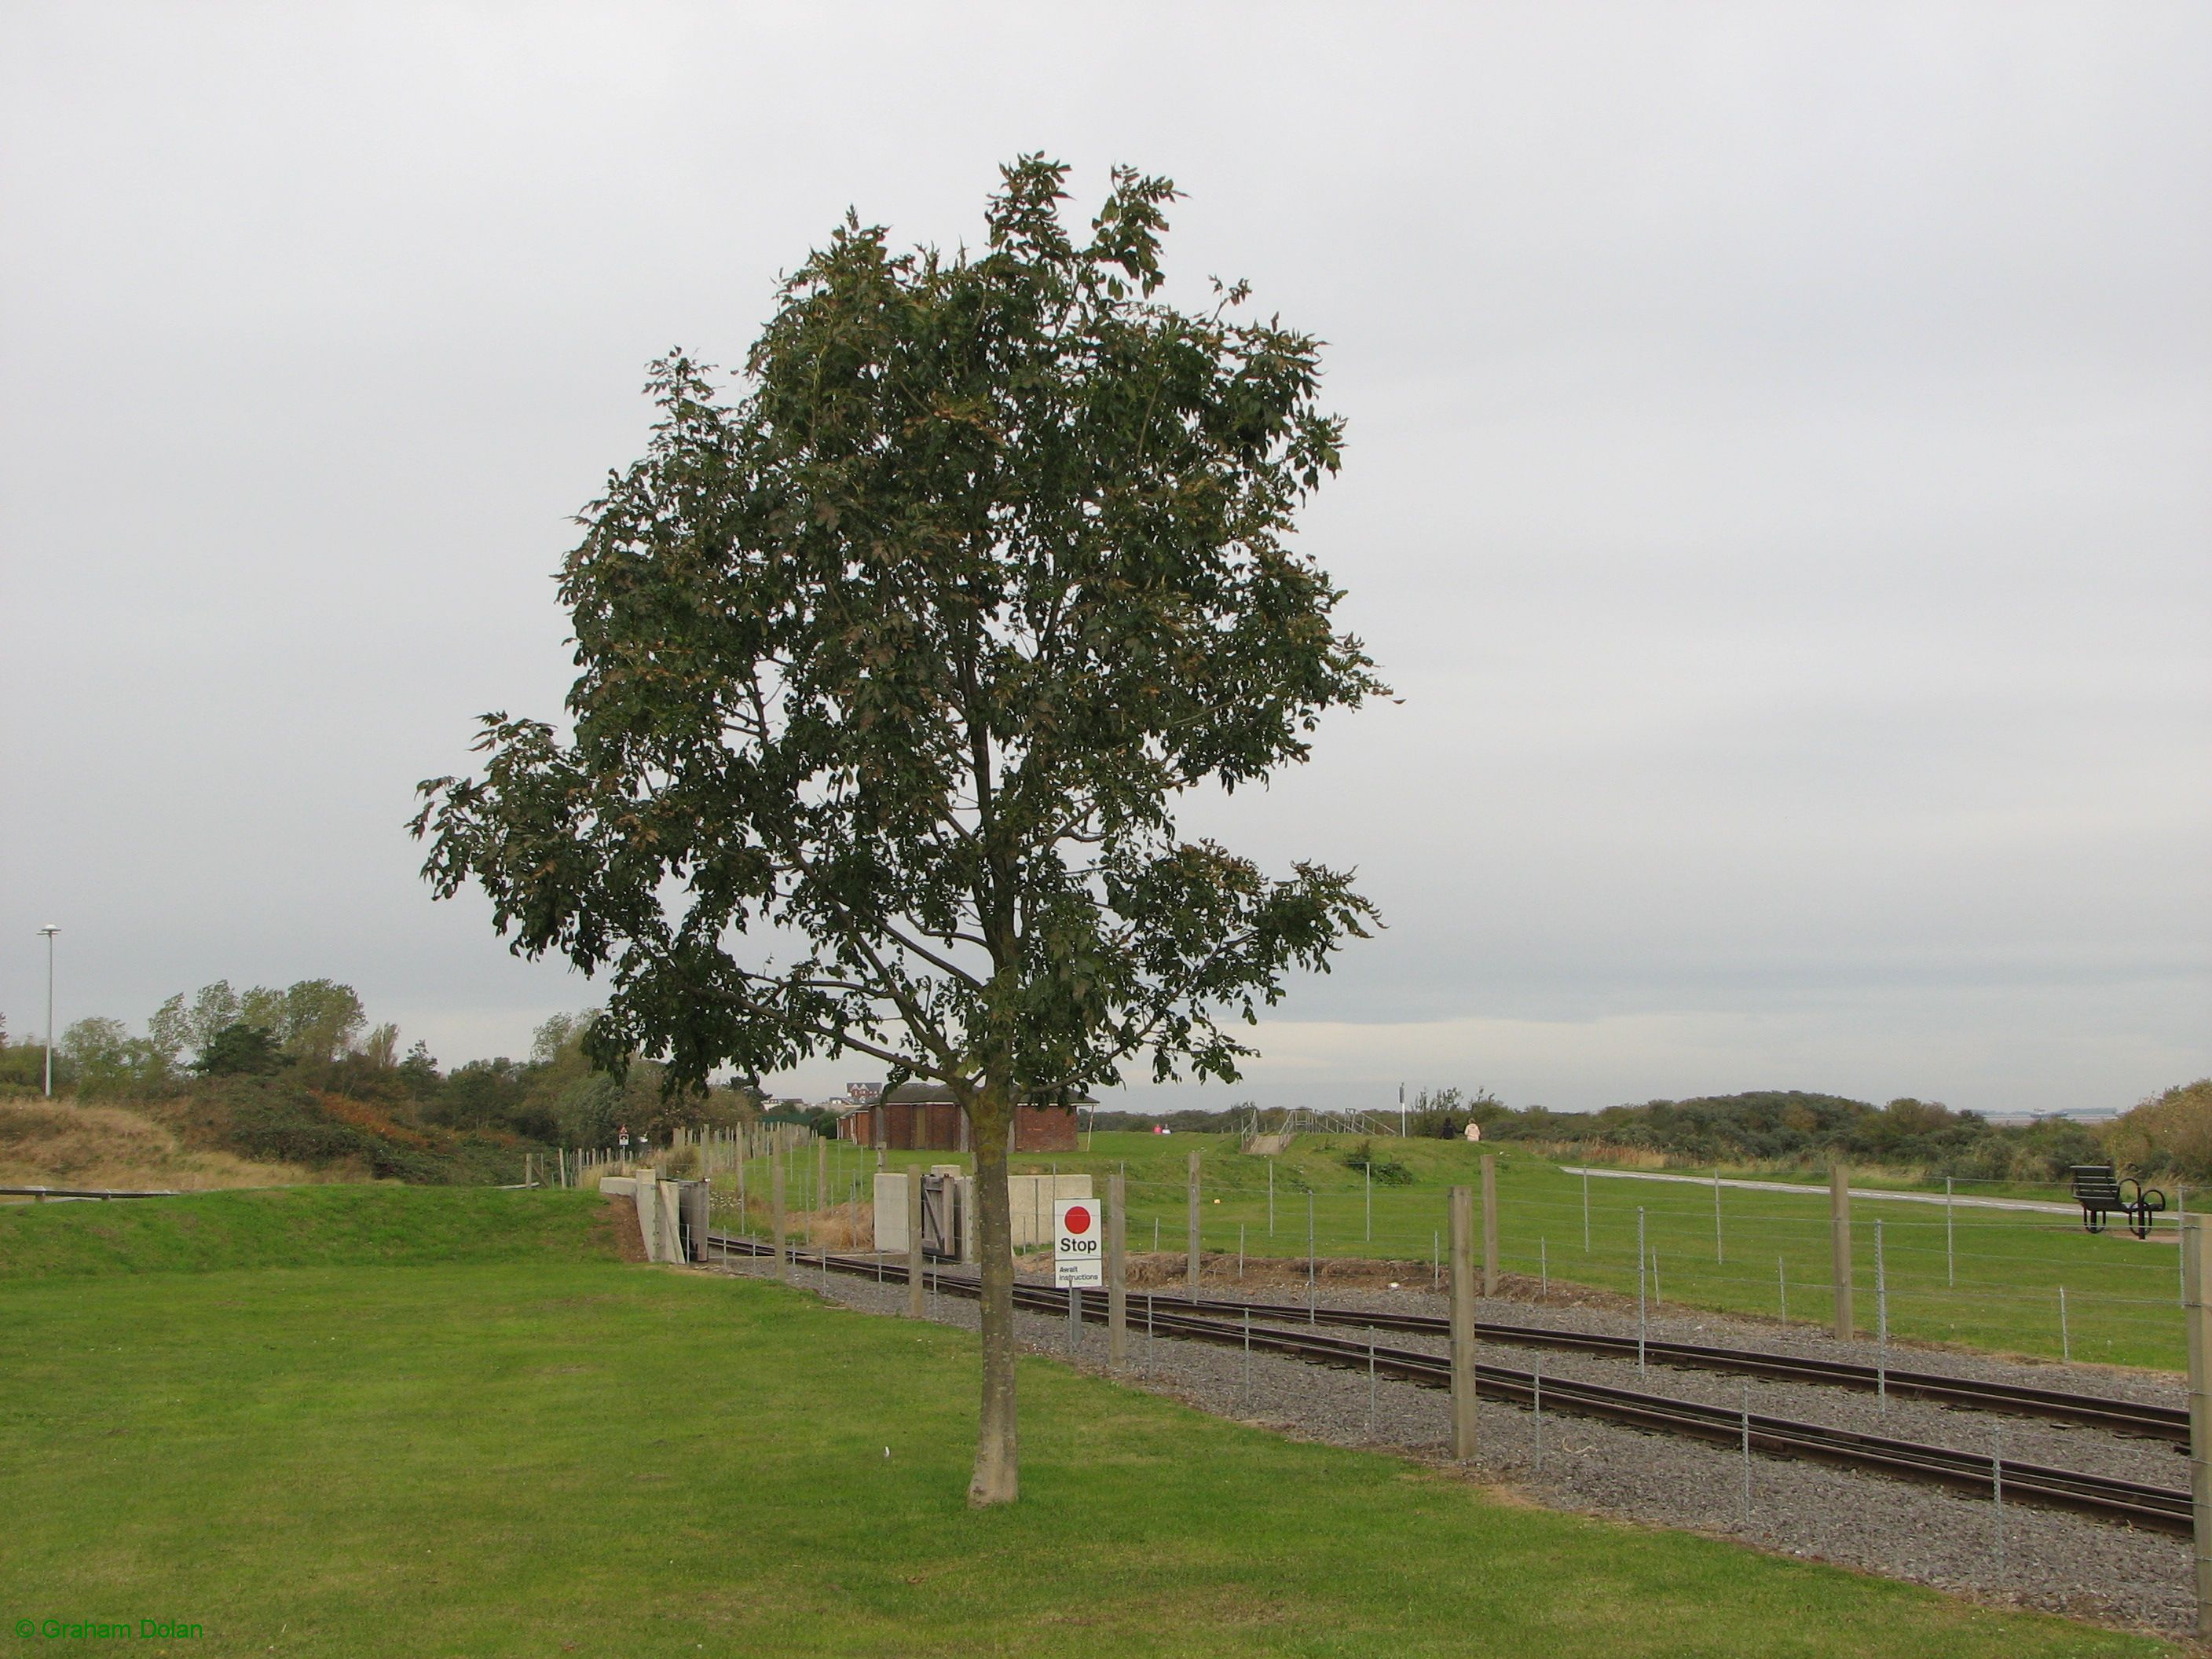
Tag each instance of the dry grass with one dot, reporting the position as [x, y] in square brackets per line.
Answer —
[840, 1227]
[61, 1144]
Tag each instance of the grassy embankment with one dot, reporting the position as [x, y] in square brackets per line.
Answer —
[1998, 1289]
[518, 1446]
[63, 1143]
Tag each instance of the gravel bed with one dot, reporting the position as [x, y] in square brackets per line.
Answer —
[2040, 1558]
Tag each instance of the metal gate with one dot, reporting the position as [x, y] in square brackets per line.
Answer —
[941, 1219]
[691, 1223]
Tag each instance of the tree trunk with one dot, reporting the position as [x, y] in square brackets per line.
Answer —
[998, 1461]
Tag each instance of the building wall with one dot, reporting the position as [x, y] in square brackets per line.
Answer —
[1044, 1129]
[936, 1126]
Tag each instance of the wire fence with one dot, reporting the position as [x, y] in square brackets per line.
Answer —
[2012, 1280]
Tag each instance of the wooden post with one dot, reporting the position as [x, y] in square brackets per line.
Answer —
[1465, 1430]
[775, 1219]
[1839, 1246]
[2196, 1271]
[1489, 1225]
[1117, 1278]
[913, 1285]
[1193, 1226]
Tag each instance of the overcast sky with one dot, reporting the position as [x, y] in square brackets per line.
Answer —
[1777, 485]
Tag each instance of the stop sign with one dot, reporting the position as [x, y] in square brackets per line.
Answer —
[1078, 1255]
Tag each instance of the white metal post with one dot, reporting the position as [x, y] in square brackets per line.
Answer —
[1950, 1255]
[50, 930]
[1881, 1322]
[1639, 1290]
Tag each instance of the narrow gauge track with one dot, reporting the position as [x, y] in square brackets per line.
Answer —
[2158, 1508]
[2125, 1417]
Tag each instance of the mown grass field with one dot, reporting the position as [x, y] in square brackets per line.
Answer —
[527, 1448]
[1996, 1288]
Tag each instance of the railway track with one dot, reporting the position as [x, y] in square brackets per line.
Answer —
[2134, 1503]
[2126, 1416]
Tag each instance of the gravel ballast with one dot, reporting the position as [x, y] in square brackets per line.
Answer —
[2041, 1559]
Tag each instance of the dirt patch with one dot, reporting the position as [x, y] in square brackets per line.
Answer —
[619, 1217]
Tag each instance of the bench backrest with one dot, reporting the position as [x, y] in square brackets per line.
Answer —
[2095, 1183]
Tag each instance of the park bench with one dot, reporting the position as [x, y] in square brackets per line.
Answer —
[2101, 1191]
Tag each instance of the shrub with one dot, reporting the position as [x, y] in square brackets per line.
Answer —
[2170, 1133]
[1384, 1171]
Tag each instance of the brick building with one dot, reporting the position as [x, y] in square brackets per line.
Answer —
[919, 1117]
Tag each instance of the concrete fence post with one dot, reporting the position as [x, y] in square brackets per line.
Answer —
[2197, 1275]
[1465, 1430]
[1117, 1275]
[775, 1220]
[914, 1288]
[1839, 1246]
[1489, 1225]
[1193, 1226]
[821, 1175]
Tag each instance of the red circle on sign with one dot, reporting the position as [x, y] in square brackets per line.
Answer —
[1078, 1220]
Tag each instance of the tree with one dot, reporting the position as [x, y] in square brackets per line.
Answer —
[418, 1073]
[380, 1047]
[480, 1094]
[893, 669]
[321, 1019]
[102, 1053]
[240, 1050]
[176, 1027]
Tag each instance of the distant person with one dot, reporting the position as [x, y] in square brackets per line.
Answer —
[1474, 1132]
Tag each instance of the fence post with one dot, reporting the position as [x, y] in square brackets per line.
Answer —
[1193, 1226]
[775, 1220]
[2197, 1265]
[1839, 1246]
[1489, 1224]
[1465, 1429]
[916, 1289]
[1117, 1278]
[1312, 1293]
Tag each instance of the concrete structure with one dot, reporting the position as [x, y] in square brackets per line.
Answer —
[923, 1117]
[1030, 1201]
[659, 1221]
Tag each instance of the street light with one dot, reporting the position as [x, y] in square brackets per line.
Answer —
[50, 930]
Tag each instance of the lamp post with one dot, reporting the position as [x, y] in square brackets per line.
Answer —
[49, 930]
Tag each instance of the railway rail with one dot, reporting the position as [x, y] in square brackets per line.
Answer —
[2126, 1416]
[2132, 1503]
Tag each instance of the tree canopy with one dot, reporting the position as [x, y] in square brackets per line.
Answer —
[900, 659]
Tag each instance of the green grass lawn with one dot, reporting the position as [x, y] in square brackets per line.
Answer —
[1997, 1288]
[546, 1452]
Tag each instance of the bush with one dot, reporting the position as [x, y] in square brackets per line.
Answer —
[240, 1050]
[1384, 1171]
[2168, 1135]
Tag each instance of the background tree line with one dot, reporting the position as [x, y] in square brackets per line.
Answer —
[2166, 1136]
[300, 1075]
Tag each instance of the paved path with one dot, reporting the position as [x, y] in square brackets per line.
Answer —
[1885, 1193]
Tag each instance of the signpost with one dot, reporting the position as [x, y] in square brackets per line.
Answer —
[1079, 1256]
